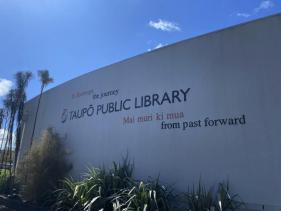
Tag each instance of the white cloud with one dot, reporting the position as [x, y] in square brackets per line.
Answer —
[3, 133]
[5, 86]
[264, 5]
[159, 45]
[243, 15]
[164, 25]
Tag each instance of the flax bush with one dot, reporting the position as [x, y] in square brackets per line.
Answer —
[143, 196]
[117, 190]
[201, 199]
[112, 190]
[42, 167]
[96, 190]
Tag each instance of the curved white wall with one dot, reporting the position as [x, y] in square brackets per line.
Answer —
[232, 73]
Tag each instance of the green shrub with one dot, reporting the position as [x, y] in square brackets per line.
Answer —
[112, 190]
[199, 199]
[221, 200]
[42, 167]
[116, 190]
[150, 196]
[5, 182]
[96, 190]
[225, 200]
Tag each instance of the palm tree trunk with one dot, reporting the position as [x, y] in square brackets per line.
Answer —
[38, 105]
[18, 131]
[7, 142]
[1, 120]
[10, 144]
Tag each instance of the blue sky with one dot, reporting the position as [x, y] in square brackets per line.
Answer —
[72, 37]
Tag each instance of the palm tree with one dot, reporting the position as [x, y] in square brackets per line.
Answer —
[11, 105]
[45, 79]
[22, 79]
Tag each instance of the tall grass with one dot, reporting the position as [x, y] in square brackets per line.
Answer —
[42, 167]
[201, 199]
[226, 200]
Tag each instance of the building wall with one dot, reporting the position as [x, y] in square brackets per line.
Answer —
[228, 74]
